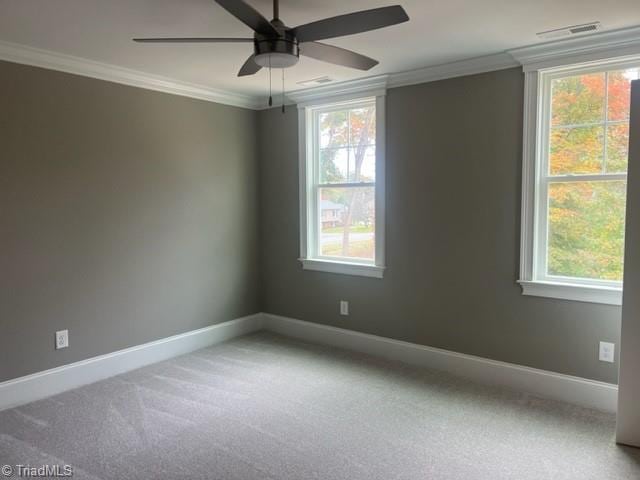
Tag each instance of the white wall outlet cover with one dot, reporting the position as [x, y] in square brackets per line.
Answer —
[607, 352]
[344, 307]
[62, 339]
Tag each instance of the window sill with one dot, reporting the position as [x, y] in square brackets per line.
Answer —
[344, 268]
[567, 291]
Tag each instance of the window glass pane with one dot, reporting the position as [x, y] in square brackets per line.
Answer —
[362, 164]
[578, 100]
[352, 165]
[586, 229]
[334, 165]
[347, 222]
[617, 148]
[577, 150]
[619, 93]
[362, 122]
[333, 129]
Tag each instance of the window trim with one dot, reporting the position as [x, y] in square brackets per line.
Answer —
[533, 219]
[306, 154]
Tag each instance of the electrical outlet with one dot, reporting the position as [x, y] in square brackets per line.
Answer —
[344, 307]
[62, 339]
[607, 352]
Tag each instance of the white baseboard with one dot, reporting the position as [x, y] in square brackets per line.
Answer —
[51, 382]
[580, 391]
[576, 390]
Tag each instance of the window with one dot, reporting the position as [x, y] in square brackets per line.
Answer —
[574, 245]
[342, 198]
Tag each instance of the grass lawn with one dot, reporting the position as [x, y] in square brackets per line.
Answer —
[353, 229]
[359, 249]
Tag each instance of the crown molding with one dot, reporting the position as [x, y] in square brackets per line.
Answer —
[471, 66]
[377, 85]
[587, 48]
[596, 46]
[582, 49]
[369, 86]
[36, 57]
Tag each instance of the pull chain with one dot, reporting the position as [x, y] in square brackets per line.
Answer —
[283, 90]
[270, 97]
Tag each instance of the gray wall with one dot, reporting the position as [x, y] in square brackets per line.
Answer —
[126, 215]
[452, 235]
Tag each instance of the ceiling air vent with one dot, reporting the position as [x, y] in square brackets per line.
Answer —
[572, 30]
[314, 82]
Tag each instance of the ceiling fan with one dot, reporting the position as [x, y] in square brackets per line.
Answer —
[278, 46]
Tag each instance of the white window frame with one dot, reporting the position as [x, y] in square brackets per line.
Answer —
[308, 185]
[535, 182]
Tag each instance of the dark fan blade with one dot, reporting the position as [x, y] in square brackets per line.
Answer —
[248, 15]
[193, 40]
[351, 23]
[249, 68]
[339, 56]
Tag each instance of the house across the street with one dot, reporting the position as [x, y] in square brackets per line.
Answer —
[331, 213]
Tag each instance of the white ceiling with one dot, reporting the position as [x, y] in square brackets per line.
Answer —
[439, 31]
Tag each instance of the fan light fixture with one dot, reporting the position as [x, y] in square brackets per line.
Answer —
[276, 60]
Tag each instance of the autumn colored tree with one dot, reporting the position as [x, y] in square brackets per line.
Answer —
[589, 136]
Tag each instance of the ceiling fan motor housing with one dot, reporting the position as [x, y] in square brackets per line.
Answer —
[276, 52]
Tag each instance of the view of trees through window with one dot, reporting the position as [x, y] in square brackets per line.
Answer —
[346, 192]
[589, 135]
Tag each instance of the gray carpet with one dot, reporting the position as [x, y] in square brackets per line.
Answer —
[267, 407]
